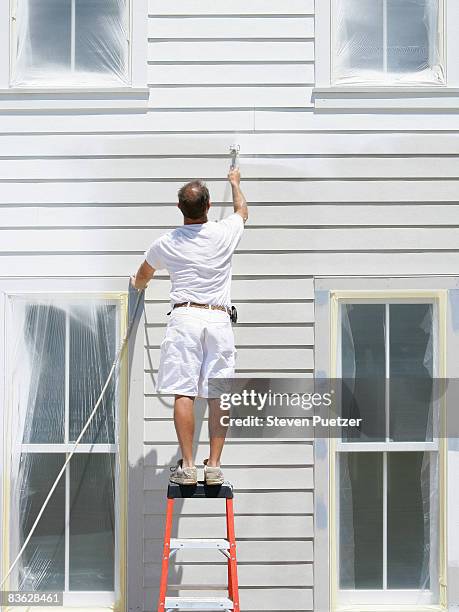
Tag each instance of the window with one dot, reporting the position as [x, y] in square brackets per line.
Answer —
[70, 42]
[387, 474]
[387, 42]
[61, 352]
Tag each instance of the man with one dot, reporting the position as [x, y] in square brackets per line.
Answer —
[199, 340]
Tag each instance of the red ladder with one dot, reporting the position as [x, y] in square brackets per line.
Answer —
[226, 546]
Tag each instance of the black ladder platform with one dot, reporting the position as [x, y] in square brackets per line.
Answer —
[200, 490]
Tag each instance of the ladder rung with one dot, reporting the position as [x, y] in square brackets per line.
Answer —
[179, 543]
[198, 603]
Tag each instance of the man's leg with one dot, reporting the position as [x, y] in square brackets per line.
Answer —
[217, 432]
[184, 426]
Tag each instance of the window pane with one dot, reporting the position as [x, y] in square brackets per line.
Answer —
[41, 567]
[408, 521]
[411, 371]
[361, 520]
[92, 352]
[100, 38]
[359, 36]
[56, 45]
[43, 374]
[92, 522]
[44, 34]
[409, 30]
[387, 42]
[363, 369]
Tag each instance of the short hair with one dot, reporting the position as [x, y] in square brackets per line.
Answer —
[193, 199]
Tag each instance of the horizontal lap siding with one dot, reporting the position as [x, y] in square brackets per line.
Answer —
[244, 51]
[288, 120]
[246, 61]
[238, 7]
[151, 143]
[330, 194]
[125, 192]
[252, 27]
[217, 74]
[343, 263]
[265, 453]
[306, 215]
[298, 168]
[253, 241]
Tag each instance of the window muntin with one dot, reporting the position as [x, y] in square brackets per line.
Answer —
[387, 477]
[387, 42]
[68, 345]
[70, 43]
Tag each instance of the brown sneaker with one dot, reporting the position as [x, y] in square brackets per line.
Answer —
[213, 475]
[183, 475]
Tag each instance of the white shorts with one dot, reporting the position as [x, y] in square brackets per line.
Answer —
[198, 345]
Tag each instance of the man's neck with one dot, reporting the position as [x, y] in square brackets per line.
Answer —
[187, 221]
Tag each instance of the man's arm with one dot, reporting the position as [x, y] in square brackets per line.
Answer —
[239, 201]
[143, 275]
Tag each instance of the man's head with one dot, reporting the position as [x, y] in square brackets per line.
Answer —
[194, 200]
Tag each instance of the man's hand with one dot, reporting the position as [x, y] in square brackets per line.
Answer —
[234, 177]
[239, 201]
[133, 282]
[144, 274]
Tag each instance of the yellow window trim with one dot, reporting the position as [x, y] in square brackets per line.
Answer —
[440, 298]
[120, 603]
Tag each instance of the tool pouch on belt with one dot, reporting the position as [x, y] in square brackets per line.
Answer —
[233, 314]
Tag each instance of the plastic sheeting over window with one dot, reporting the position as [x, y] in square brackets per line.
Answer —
[61, 354]
[388, 519]
[71, 42]
[388, 42]
[392, 341]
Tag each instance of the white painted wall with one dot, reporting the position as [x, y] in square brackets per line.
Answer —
[82, 195]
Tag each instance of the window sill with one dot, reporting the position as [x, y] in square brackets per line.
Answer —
[73, 98]
[402, 98]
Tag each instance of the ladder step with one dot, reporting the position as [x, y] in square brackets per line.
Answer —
[179, 543]
[200, 490]
[198, 603]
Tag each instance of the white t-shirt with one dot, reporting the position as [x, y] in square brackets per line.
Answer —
[198, 259]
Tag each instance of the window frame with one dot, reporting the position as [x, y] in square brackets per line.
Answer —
[327, 291]
[327, 96]
[94, 600]
[385, 596]
[131, 96]
[108, 83]
[442, 30]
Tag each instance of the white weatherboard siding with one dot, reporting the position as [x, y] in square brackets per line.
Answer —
[82, 195]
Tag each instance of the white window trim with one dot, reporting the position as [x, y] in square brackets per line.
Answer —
[327, 97]
[386, 287]
[132, 569]
[134, 95]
